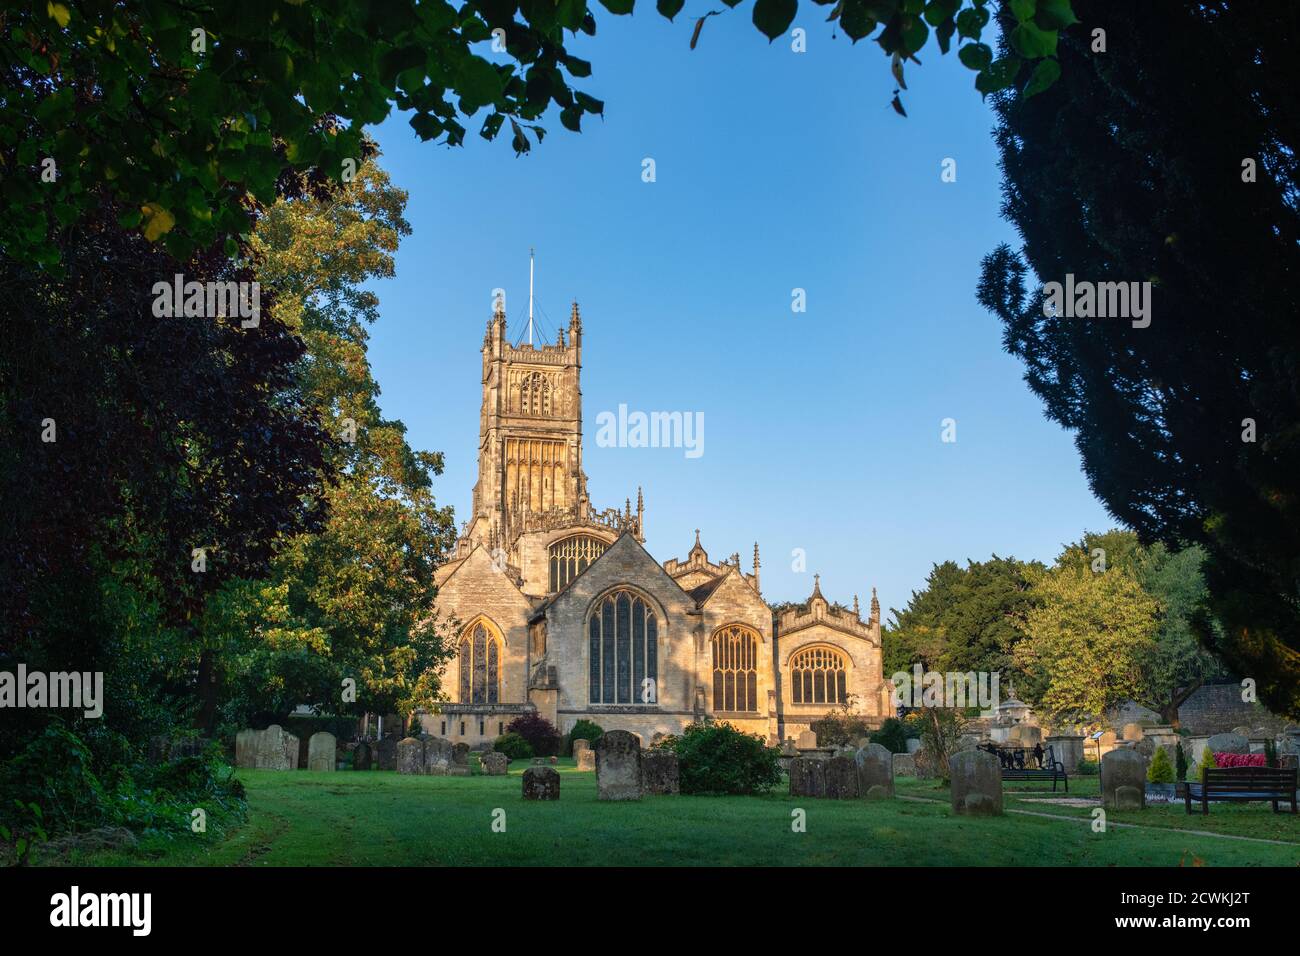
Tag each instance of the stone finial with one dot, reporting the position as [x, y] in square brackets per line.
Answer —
[817, 586]
[559, 337]
[856, 611]
[575, 318]
[756, 565]
[875, 607]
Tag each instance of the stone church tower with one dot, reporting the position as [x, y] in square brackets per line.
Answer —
[554, 606]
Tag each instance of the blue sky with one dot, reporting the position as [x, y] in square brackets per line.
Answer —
[775, 170]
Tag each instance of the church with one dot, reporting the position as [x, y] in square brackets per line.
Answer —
[555, 606]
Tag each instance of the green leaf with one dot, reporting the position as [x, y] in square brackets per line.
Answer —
[915, 33]
[670, 8]
[773, 17]
[971, 22]
[1023, 9]
[975, 56]
[1045, 74]
[1000, 74]
[616, 7]
[937, 11]
[1054, 15]
[1031, 42]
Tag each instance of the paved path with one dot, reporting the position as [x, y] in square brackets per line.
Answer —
[1126, 826]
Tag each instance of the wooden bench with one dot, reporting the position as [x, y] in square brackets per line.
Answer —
[1243, 784]
[1015, 769]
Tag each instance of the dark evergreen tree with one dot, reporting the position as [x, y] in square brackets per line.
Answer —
[1170, 158]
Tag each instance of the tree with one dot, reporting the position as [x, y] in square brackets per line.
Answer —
[354, 599]
[965, 619]
[1172, 158]
[1085, 641]
[184, 112]
[1177, 664]
[154, 456]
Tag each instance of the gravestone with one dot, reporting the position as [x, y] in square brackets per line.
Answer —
[321, 751]
[494, 764]
[246, 748]
[541, 783]
[913, 744]
[618, 766]
[841, 776]
[1133, 732]
[410, 755]
[976, 783]
[587, 759]
[459, 761]
[1123, 780]
[807, 777]
[788, 748]
[904, 765]
[579, 746]
[362, 756]
[436, 761]
[875, 770]
[386, 753]
[659, 772]
[807, 740]
[1067, 748]
[1233, 743]
[269, 749]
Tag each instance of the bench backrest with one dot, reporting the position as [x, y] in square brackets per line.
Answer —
[1245, 779]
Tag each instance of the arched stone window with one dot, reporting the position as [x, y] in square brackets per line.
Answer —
[623, 647]
[569, 558]
[818, 675]
[735, 669]
[480, 666]
[535, 394]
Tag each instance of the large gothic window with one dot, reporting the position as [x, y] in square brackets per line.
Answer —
[570, 557]
[735, 669]
[535, 394]
[818, 676]
[623, 632]
[480, 667]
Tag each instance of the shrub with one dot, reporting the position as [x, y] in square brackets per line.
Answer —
[1180, 763]
[514, 746]
[1088, 768]
[892, 735]
[1207, 763]
[840, 727]
[1160, 770]
[538, 731]
[584, 729]
[717, 758]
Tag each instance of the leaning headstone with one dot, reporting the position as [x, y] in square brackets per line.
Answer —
[321, 749]
[1233, 743]
[436, 761]
[246, 749]
[904, 765]
[618, 766]
[587, 759]
[386, 749]
[976, 783]
[875, 770]
[841, 778]
[659, 772]
[541, 783]
[459, 761]
[807, 777]
[274, 749]
[494, 764]
[579, 746]
[410, 755]
[362, 756]
[807, 740]
[1123, 780]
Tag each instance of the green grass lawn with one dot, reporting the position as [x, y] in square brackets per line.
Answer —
[373, 818]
